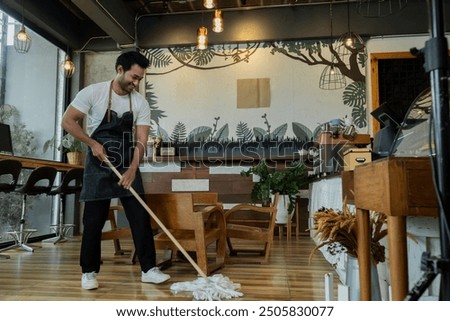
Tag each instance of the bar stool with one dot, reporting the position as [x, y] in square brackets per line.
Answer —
[33, 186]
[9, 175]
[71, 183]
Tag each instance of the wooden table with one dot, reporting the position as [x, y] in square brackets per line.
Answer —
[398, 187]
[31, 163]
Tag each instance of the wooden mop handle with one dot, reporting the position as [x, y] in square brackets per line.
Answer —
[157, 220]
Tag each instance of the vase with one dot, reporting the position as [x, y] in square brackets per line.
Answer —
[352, 280]
[282, 210]
[74, 158]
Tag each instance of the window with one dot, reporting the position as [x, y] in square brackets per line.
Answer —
[32, 100]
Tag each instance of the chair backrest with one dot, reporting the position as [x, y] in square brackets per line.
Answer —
[205, 198]
[254, 215]
[71, 183]
[175, 210]
[40, 181]
[202, 199]
[9, 174]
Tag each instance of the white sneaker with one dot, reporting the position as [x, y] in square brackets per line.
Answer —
[89, 281]
[154, 275]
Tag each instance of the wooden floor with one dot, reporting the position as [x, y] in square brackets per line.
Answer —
[52, 273]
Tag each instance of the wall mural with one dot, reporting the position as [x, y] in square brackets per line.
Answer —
[350, 62]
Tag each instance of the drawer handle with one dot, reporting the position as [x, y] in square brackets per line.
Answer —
[360, 159]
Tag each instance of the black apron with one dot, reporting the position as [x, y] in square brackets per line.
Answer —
[115, 134]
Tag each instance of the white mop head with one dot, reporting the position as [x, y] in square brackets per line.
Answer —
[213, 288]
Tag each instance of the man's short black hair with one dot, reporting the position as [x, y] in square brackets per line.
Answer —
[129, 58]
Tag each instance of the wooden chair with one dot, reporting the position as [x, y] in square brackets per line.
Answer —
[251, 223]
[203, 199]
[116, 234]
[188, 226]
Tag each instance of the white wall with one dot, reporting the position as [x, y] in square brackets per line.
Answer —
[196, 97]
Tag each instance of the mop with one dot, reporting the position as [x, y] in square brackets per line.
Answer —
[213, 288]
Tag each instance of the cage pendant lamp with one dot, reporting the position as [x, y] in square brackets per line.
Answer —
[217, 25]
[22, 40]
[350, 42]
[202, 38]
[331, 77]
[68, 67]
[379, 8]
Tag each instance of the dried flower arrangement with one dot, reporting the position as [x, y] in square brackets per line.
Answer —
[340, 227]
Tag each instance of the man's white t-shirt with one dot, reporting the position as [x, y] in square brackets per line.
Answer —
[93, 102]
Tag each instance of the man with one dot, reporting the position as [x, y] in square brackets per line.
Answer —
[118, 123]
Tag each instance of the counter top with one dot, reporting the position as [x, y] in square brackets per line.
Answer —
[30, 163]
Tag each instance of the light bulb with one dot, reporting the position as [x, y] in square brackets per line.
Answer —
[349, 42]
[22, 35]
[217, 21]
[202, 38]
[208, 4]
[69, 67]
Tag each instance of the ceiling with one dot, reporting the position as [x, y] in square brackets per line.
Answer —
[111, 24]
[140, 7]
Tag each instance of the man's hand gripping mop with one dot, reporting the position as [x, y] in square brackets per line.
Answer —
[212, 288]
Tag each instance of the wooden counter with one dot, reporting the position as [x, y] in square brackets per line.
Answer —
[31, 163]
[398, 187]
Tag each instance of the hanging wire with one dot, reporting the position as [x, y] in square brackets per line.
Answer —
[331, 77]
[379, 8]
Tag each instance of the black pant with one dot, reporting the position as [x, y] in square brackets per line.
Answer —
[94, 218]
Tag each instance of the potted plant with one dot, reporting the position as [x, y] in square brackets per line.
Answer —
[336, 230]
[287, 182]
[72, 147]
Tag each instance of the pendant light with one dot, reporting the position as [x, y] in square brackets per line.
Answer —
[202, 38]
[379, 8]
[350, 42]
[331, 77]
[22, 40]
[217, 25]
[209, 4]
[68, 66]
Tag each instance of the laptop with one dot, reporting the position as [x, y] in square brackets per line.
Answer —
[5, 140]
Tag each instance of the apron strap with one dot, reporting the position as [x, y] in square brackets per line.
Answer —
[110, 101]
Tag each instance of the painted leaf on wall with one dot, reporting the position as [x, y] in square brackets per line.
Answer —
[355, 94]
[302, 132]
[182, 53]
[316, 133]
[155, 114]
[158, 58]
[203, 57]
[222, 134]
[199, 134]
[260, 133]
[178, 133]
[279, 132]
[150, 95]
[359, 116]
[243, 133]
